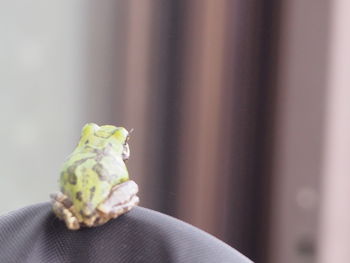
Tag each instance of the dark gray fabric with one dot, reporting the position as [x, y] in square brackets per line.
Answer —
[34, 234]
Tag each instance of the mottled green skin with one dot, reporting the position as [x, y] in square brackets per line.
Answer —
[95, 166]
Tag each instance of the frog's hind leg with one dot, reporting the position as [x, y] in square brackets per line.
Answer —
[121, 200]
[62, 208]
[123, 208]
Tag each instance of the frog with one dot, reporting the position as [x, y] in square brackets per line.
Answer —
[94, 180]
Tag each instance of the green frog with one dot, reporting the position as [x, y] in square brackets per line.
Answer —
[94, 181]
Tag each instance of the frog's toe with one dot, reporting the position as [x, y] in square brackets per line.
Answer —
[72, 223]
[61, 207]
[65, 214]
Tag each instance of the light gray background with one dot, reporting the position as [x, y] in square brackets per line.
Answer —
[49, 88]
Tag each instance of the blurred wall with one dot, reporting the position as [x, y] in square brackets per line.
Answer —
[56, 69]
[334, 225]
[299, 130]
[42, 58]
[199, 90]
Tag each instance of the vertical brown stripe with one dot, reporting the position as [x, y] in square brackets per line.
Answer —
[201, 142]
[137, 86]
[299, 134]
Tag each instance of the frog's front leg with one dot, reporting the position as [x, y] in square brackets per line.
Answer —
[62, 208]
[121, 200]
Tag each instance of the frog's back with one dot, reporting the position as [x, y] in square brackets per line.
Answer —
[87, 178]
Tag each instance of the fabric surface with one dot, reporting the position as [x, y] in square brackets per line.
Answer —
[34, 234]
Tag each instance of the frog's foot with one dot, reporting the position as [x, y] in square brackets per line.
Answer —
[121, 200]
[62, 207]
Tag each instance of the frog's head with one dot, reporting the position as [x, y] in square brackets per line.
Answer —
[106, 134]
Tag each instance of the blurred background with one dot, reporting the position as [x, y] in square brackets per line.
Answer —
[240, 108]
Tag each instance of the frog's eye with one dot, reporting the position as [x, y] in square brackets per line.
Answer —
[126, 152]
[89, 128]
[121, 135]
[128, 136]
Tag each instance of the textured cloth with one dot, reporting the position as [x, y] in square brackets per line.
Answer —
[34, 234]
